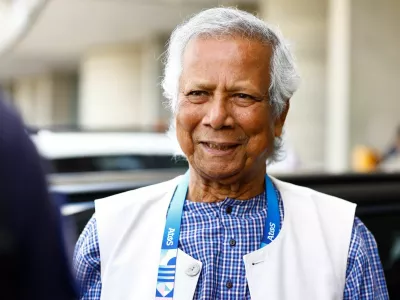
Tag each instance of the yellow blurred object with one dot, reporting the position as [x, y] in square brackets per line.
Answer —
[364, 159]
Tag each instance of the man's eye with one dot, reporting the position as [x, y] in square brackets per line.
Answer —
[244, 96]
[242, 99]
[198, 97]
[197, 93]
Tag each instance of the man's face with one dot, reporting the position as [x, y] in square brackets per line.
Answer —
[224, 121]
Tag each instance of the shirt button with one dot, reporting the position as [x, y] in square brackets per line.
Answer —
[232, 242]
[193, 270]
[229, 284]
[229, 210]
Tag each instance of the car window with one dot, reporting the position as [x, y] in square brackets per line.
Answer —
[116, 163]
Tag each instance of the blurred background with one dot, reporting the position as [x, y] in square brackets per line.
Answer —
[96, 65]
[85, 76]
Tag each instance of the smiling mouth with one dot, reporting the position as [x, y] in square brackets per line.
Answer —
[219, 146]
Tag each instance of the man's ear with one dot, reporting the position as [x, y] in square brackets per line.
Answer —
[280, 120]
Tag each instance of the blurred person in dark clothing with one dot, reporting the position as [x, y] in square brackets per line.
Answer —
[33, 260]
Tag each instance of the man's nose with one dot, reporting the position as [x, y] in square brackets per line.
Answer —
[219, 113]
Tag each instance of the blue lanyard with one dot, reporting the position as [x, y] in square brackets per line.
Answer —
[169, 247]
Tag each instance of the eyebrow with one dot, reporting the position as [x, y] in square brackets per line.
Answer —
[201, 85]
[244, 86]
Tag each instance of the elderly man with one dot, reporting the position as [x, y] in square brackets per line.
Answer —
[225, 230]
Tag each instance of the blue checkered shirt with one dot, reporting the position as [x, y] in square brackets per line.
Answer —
[219, 235]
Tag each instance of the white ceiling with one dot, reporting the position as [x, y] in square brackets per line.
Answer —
[65, 29]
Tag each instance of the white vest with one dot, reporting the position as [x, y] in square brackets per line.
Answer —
[306, 261]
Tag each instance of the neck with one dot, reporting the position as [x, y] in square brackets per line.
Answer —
[203, 189]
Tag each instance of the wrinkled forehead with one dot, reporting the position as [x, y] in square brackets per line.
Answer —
[203, 46]
[233, 58]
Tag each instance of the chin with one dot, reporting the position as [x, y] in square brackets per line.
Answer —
[220, 172]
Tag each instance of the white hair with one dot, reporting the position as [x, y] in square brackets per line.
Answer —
[217, 22]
